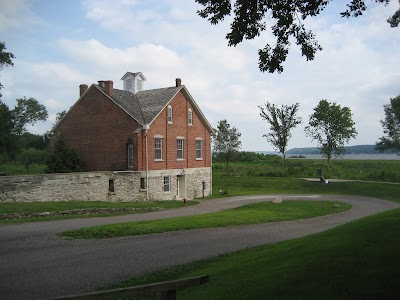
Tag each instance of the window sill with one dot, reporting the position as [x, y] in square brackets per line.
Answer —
[170, 122]
[180, 159]
[199, 159]
[158, 160]
[166, 193]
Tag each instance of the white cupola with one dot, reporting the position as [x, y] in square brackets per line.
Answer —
[133, 82]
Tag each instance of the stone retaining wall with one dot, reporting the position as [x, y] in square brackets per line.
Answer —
[88, 186]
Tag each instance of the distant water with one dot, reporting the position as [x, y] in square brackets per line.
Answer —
[353, 156]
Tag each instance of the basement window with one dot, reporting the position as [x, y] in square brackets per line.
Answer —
[167, 184]
[111, 189]
[143, 184]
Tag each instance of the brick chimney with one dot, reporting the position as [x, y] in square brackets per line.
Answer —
[109, 87]
[178, 82]
[82, 89]
[101, 83]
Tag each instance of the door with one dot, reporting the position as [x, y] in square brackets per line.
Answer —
[181, 186]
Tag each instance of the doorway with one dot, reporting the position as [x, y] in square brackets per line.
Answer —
[181, 186]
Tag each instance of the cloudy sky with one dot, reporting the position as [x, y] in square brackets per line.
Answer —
[61, 44]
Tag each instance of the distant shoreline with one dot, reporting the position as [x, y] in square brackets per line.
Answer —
[349, 156]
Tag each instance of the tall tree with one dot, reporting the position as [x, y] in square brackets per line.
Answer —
[281, 121]
[27, 111]
[331, 126]
[249, 21]
[5, 59]
[227, 141]
[391, 126]
[7, 140]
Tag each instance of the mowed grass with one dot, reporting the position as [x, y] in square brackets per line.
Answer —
[252, 185]
[358, 260]
[59, 206]
[244, 215]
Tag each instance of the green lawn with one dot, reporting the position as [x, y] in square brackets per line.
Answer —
[38, 207]
[358, 260]
[252, 185]
[244, 215]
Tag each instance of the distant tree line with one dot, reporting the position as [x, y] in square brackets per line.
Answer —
[358, 149]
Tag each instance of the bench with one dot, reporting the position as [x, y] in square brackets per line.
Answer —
[165, 290]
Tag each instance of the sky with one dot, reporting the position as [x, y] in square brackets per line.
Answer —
[60, 44]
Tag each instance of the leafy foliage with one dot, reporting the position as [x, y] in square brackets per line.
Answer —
[27, 111]
[391, 126]
[249, 21]
[32, 155]
[227, 141]
[282, 120]
[7, 141]
[37, 141]
[59, 116]
[331, 126]
[5, 59]
[64, 159]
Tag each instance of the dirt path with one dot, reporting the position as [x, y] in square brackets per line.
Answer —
[37, 264]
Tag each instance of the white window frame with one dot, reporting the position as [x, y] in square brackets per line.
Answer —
[190, 116]
[169, 114]
[167, 184]
[180, 147]
[199, 151]
[130, 156]
[160, 144]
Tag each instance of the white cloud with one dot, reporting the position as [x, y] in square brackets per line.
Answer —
[16, 14]
[167, 39]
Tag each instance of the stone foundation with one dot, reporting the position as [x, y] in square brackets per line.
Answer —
[105, 186]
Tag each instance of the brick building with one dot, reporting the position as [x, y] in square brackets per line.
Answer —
[159, 135]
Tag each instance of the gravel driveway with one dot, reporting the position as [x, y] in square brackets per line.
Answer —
[35, 264]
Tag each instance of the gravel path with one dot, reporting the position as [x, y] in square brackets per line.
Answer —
[35, 264]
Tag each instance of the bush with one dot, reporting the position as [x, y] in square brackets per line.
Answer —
[64, 159]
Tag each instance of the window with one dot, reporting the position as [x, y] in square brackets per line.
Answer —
[190, 116]
[139, 85]
[130, 156]
[167, 183]
[143, 184]
[199, 149]
[128, 84]
[179, 147]
[158, 148]
[169, 114]
[111, 188]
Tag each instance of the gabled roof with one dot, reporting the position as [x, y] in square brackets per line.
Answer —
[134, 74]
[145, 106]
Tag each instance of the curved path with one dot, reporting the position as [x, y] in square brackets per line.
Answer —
[34, 263]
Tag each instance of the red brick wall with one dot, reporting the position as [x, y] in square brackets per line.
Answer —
[99, 130]
[179, 127]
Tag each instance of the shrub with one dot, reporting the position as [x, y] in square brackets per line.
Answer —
[64, 159]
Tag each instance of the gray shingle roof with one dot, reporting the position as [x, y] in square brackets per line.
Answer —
[144, 106]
